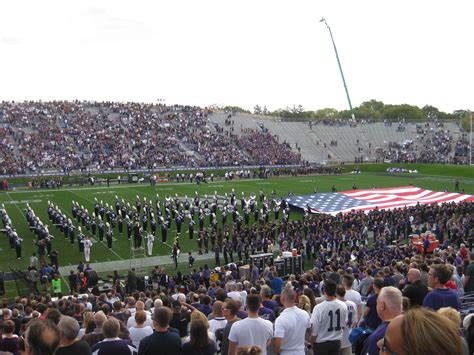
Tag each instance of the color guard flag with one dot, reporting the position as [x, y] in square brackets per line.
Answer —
[367, 200]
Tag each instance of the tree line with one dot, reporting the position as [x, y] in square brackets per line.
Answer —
[371, 110]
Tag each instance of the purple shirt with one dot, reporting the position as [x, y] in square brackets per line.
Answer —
[442, 297]
[241, 314]
[370, 344]
[267, 314]
[270, 304]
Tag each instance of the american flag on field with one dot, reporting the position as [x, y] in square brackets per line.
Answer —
[367, 200]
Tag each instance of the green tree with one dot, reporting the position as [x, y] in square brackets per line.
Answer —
[431, 112]
[326, 113]
[403, 112]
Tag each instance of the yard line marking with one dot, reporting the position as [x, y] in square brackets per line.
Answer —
[13, 202]
[97, 240]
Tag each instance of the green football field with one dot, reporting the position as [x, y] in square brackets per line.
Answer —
[433, 177]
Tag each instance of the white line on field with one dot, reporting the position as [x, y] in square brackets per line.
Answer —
[102, 242]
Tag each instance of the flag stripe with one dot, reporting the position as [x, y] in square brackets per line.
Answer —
[465, 198]
[366, 200]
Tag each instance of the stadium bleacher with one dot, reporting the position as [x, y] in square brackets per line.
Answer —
[64, 136]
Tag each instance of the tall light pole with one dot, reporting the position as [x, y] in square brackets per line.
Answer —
[470, 142]
[340, 67]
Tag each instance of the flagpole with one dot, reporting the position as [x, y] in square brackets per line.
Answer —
[340, 67]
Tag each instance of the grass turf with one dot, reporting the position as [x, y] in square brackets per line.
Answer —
[433, 177]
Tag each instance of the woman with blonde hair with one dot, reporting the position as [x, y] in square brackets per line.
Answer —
[249, 350]
[422, 332]
[199, 316]
[88, 324]
[455, 316]
[305, 304]
[198, 342]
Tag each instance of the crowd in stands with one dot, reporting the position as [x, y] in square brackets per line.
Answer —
[78, 135]
[65, 136]
[433, 144]
[461, 150]
[206, 311]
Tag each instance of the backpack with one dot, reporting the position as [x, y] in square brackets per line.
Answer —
[358, 337]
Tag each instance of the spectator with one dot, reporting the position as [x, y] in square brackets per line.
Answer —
[69, 344]
[218, 321]
[351, 294]
[97, 335]
[290, 326]
[249, 350]
[421, 331]
[389, 306]
[371, 317]
[42, 337]
[267, 302]
[199, 343]
[229, 310]
[164, 341]
[365, 283]
[181, 317]
[276, 283]
[327, 322]
[346, 346]
[305, 304]
[455, 316]
[9, 340]
[251, 330]
[140, 330]
[469, 275]
[112, 344]
[201, 317]
[53, 315]
[139, 306]
[441, 296]
[88, 324]
[415, 290]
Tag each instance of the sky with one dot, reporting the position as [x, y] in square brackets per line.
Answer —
[274, 53]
